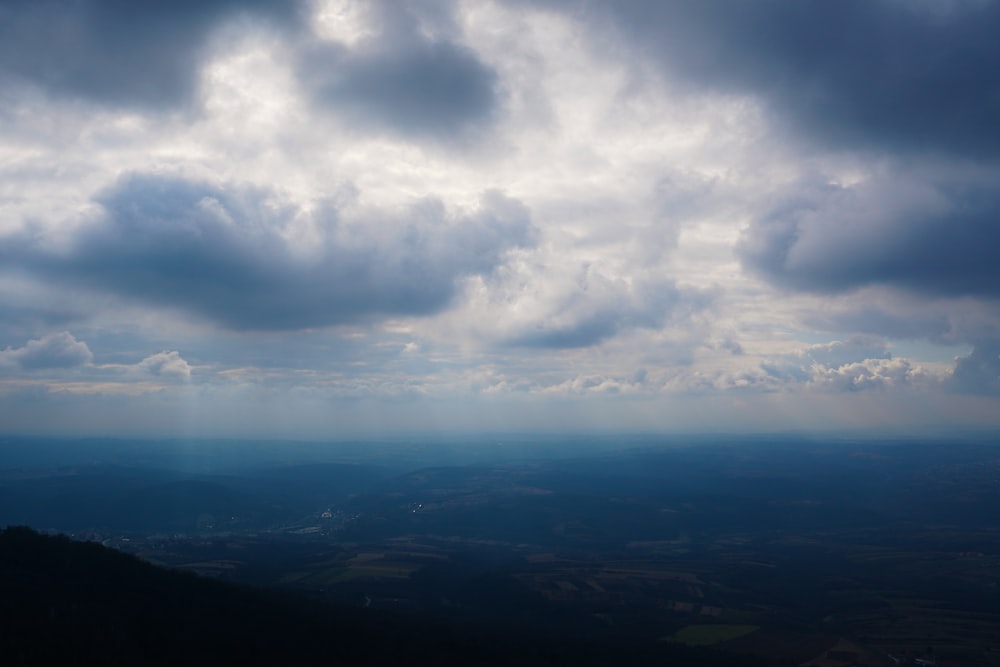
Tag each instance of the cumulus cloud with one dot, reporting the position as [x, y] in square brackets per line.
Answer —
[230, 254]
[401, 79]
[599, 308]
[935, 236]
[858, 364]
[869, 374]
[166, 364]
[57, 350]
[138, 54]
[591, 384]
[543, 301]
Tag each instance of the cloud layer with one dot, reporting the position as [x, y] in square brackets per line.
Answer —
[637, 215]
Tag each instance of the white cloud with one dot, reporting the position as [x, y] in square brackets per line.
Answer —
[169, 365]
[52, 351]
[872, 374]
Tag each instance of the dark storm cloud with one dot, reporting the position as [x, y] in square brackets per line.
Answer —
[402, 80]
[979, 373]
[885, 74]
[224, 256]
[118, 52]
[937, 237]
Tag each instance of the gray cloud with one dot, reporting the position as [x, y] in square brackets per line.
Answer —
[403, 81]
[224, 255]
[855, 73]
[601, 308]
[978, 373]
[934, 236]
[58, 350]
[118, 52]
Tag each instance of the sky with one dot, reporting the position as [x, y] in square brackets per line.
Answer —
[336, 218]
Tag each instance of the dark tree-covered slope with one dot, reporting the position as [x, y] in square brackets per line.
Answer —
[79, 603]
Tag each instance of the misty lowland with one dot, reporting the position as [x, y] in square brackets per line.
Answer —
[773, 550]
